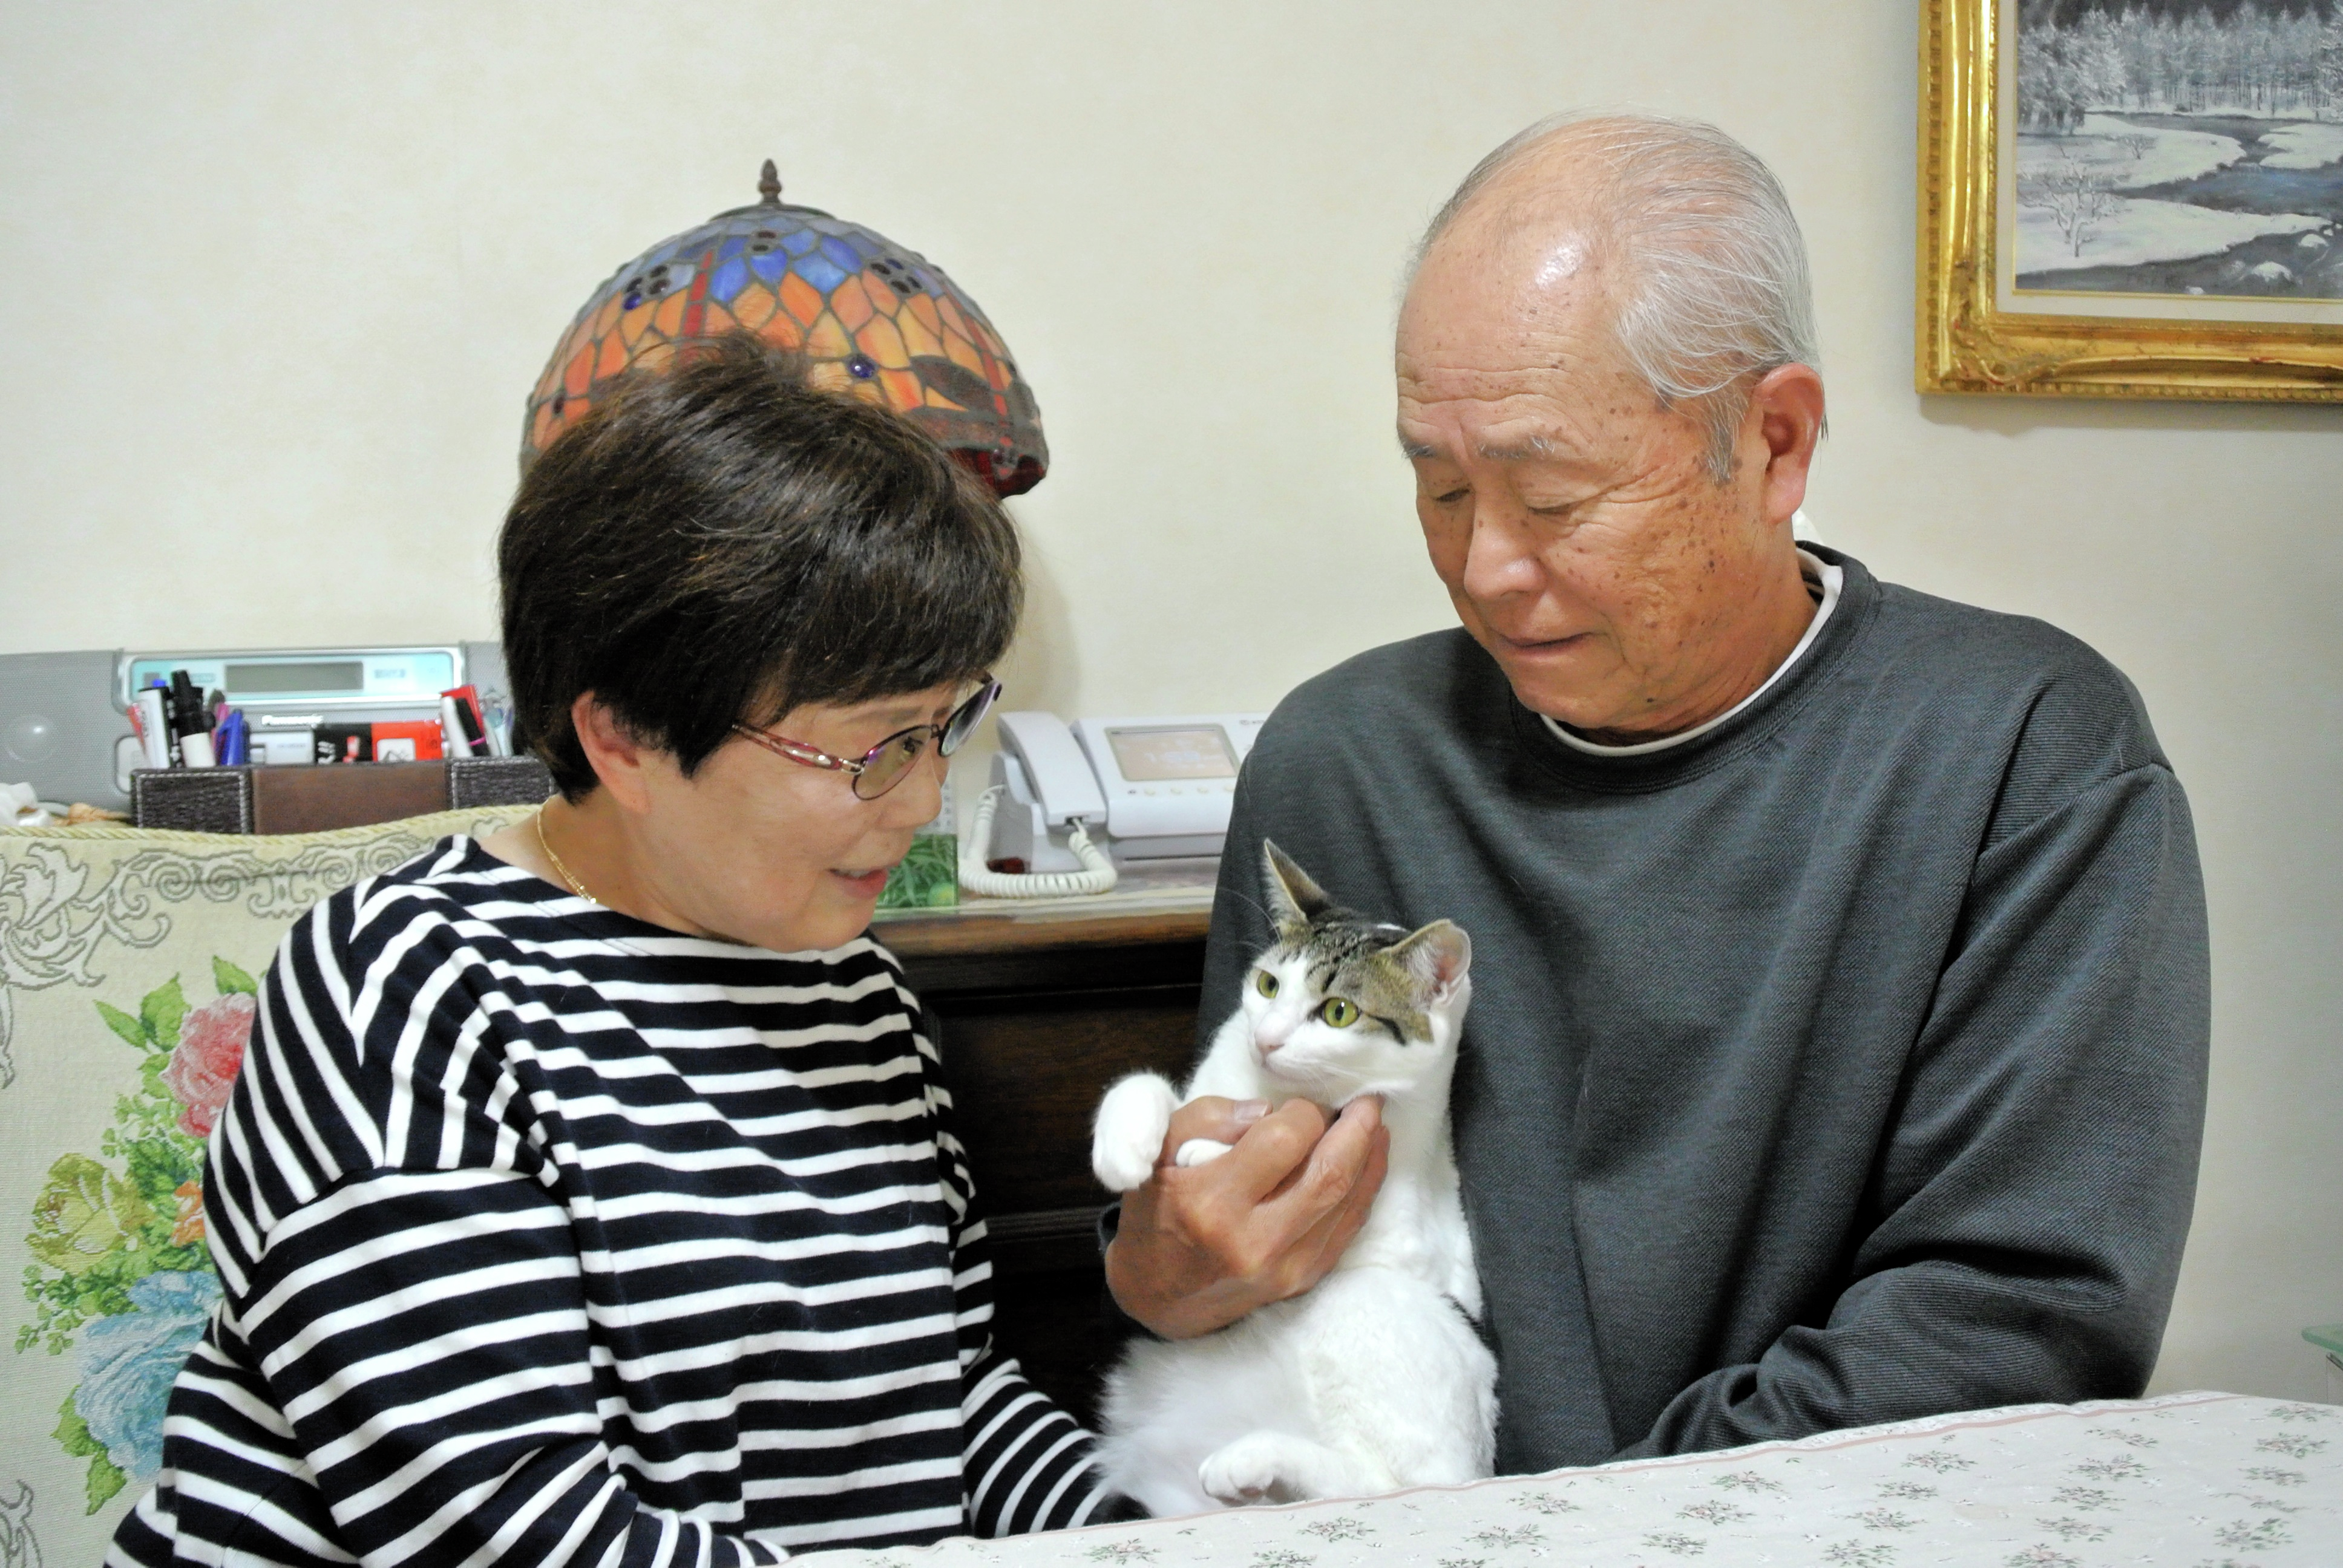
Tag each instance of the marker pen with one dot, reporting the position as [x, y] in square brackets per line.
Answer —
[193, 737]
[231, 742]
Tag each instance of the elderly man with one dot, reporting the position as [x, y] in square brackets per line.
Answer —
[1838, 1046]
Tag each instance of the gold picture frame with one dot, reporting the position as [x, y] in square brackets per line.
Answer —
[1973, 335]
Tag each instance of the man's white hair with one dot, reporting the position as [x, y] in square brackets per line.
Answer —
[1715, 290]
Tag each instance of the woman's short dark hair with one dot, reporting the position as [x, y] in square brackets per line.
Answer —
[723, 541]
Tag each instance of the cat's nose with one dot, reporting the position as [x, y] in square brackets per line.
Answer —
[1267, 1039]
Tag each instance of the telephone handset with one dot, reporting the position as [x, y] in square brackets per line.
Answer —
[1158, 787]
[1059, 775]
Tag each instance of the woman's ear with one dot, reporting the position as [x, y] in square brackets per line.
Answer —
[617, 758]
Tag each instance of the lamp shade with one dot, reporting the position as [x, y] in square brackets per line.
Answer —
[875, 319]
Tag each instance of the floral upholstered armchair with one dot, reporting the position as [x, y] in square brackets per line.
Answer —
[128, 979]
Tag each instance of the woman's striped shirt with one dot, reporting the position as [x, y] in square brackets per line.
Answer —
[550, 1236]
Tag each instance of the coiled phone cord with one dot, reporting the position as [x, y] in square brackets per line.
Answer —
[1098, 875]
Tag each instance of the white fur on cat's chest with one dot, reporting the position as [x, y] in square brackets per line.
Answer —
[1419, 1232]
[1373, 1380]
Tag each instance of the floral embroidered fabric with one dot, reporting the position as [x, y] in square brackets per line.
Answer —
[128, 966]
[2185, 1481]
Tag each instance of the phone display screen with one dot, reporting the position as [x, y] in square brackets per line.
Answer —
[1148, 756]
[310, 675]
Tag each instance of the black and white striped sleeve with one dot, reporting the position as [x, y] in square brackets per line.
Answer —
[1027, 1465]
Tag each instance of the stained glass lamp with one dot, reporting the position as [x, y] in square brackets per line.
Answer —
[874, 318]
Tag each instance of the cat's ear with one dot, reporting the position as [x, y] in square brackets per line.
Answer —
[1439, 956]
[1294, 898]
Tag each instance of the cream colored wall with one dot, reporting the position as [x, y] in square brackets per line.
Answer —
[279, 276]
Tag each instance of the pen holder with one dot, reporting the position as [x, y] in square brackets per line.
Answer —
[262, 800]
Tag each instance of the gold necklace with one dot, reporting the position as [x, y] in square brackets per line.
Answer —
[567, 875]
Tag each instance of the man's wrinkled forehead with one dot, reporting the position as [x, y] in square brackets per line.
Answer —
[1492, 327]
[1515, 360]
[1527, 257]
[1554, 407]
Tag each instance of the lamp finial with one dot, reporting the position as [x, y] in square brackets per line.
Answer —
[769, 184]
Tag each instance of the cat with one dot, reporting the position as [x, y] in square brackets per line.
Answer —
[1374, 1378]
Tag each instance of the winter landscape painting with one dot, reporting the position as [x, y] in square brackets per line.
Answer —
[2180, 147]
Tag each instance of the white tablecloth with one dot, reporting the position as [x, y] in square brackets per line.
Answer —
[2185, 1481]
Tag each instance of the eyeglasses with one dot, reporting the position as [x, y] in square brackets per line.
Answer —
[887, 764]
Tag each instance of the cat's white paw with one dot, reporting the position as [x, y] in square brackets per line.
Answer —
[1198, 1151]
[1128, 1136]
[1249, 1469]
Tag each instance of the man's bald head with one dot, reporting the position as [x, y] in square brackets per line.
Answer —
[1686, 232]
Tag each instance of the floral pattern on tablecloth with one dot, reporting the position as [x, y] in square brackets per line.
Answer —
[2185, 1481]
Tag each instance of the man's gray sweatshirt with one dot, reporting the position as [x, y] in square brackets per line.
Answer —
[1844, 1064]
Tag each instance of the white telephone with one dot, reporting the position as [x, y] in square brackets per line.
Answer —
[1159, 787]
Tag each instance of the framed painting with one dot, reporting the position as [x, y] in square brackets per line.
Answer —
[2132, 198]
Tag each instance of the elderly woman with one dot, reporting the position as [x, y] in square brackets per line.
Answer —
[589, 1194]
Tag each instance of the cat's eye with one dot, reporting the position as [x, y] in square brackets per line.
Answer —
[1264, 982]
[1340, 1011]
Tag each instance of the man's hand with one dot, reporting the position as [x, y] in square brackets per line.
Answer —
[1201, 1246]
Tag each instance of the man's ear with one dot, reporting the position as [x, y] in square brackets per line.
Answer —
[1294, 898]
[1786, 410]
[617, 759]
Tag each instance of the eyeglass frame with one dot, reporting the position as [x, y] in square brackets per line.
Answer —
[981, 700]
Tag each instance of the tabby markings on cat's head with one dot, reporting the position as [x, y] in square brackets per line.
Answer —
[1339, 1000]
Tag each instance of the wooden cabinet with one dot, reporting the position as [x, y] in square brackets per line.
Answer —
[1042, 1010]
